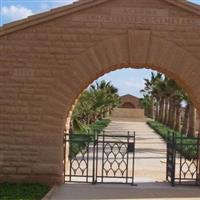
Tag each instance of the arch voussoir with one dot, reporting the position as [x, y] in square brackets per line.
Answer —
[139, 42]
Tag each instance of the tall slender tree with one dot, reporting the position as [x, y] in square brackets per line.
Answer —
[192, 121]
[169, 96]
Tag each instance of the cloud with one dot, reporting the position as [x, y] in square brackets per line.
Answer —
[53, 4]
[15, 12]
[63, 2]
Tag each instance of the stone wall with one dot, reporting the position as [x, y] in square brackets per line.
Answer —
[47, 60]
[128, 113]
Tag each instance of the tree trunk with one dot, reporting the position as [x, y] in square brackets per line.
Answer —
[169, 112]
[162, 103]
[157, 110]
[184, 129]
[177, 123]
[153, 108]
[166, 111]
[173, 118]
[192, 121]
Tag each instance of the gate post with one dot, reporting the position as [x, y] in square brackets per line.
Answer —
[64, 156]
[198, 159]
[94, 178]
[133, 167]
[173, 160]
[167, 156]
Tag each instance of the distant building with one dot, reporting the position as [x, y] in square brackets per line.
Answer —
[130, 101]
[129, 109]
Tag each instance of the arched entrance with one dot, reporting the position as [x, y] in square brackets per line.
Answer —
[47, 60]
[128, 105]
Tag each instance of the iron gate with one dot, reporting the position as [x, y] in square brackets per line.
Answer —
[102, 158]
[171, 160]
[183, 160]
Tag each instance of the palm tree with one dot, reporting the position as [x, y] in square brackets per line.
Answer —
[184, 129]
[168, 97]
[166, 112]
[192, 121]
[147, 103]
[151, 89]
[94, 103]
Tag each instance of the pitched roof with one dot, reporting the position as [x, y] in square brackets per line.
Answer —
[77, 6]
[130, 96]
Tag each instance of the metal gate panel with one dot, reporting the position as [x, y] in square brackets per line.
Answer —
[105, 158]
[183, 160]
[115, 158]
[79, 164]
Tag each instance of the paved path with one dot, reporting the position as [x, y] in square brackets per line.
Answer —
[150, 172]
[124, 192]
[150, 157]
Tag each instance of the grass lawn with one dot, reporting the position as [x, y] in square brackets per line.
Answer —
[22, 191]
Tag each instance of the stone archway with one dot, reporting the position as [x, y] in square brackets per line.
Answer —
[47, 60]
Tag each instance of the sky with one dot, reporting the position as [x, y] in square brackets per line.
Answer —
[128, 81]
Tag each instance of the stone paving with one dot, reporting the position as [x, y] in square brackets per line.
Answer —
[124, 192]
[150, 157]
[150, 170]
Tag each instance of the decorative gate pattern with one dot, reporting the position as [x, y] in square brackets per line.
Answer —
[183, 160]
[104, 158]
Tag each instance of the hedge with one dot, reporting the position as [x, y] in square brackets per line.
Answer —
[187, 147]
[79, 141]
[22, 191]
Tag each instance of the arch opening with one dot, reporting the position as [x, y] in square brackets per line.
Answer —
[172, 75]
[163, 150]
[164, 70]
[128, 105]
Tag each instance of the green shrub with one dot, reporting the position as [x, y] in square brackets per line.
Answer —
[99, 126]
[22, 191]
[184, 145]
[78, 141]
